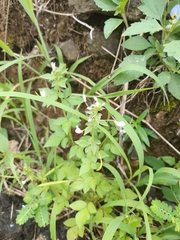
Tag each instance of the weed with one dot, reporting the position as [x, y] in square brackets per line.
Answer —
[78, 167]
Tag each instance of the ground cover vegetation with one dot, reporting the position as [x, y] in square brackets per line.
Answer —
[80, 167]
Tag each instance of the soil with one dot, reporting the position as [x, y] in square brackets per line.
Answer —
[17, 30]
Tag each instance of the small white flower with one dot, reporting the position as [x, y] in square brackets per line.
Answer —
[90, 107]
[53, 65]
[42, 92]
[23, 182]
[120, 124]
[97, 104]
[78, 130]
[120, 127]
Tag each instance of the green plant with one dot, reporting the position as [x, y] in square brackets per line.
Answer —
[76, 168]
[153, 40]
[165, 212]
[142, 132]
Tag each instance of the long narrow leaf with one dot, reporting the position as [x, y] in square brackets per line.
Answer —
[112, 228]
[118, 179]
[131, 133]
[28, 7]
[6, 48]
[128, 67]
[122, 93]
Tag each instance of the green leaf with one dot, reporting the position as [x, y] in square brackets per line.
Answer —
[64, 142]
[54, 126]
[173, 49]
[34, 192]
[118, 179]
[174, 86]
[76, 64]
[145, 26]
[165, 178]
[6, 48]
[91, 208]
[114, 150]
[142, 134]
[29, 198]
[112, 228]
[153, 8]
[4, 143]
[47, 76]
[168, 194]
[54, 140]
[45, 198]
[161, 209]
[75, 100]
[106, 5]
[122, 93]
[78, 205]
[60, 121]
[176, 192]
[110, 25]
[66, 127]
[85, 167]
[9, 162]
[162, 178]
[81, 218]
[72, 233]
[154, 162]
[171, 62]
[83, 142]
[42, 215]
[73, 151]
[141, 117]
[130, 75]
[28, 7]
[169, 160]
[164, 77]
[56, 209]
[121, 6]
[130, 194]
[70, 222]
[59, 54]
[172, 171]
[77, 185]
[25, 213]
[136, 43]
